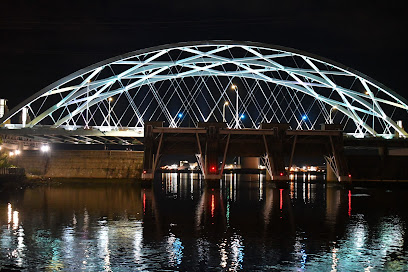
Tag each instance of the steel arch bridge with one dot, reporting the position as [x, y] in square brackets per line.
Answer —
[186, 83]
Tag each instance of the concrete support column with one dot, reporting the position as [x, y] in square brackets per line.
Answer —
[211, 154]
[330, 175]
[275, 153]
[149, 150]
[339, 157]
[268, 176]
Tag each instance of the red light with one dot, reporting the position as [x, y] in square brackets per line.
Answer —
[281, 174]
[213, 169]
[349, 175]
[144, 171]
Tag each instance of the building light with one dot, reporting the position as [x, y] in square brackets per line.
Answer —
[45, 148]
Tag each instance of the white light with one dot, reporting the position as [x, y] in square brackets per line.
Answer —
[9, 212]
[45, 148]
[11, 154]
[15, 219]
[17, 152]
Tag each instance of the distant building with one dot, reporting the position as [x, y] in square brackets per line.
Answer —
[3, 107]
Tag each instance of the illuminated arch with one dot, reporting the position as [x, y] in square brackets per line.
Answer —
[186, 83]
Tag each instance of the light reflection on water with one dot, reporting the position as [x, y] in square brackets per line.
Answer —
[179, 224]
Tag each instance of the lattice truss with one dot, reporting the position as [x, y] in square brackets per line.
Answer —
[187, 83]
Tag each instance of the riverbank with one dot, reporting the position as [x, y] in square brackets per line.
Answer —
[99, 164]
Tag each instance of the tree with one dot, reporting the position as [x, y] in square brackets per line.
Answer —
[4, 160]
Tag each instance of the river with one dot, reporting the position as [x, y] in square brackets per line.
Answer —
[179, 224]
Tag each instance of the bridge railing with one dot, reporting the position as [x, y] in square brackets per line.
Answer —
[12, 171]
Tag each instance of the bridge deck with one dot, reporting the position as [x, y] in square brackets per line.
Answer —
[35, 137]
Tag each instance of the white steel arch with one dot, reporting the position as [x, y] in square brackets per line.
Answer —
[186, 83]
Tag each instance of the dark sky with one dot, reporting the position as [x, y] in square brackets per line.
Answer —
[42, 41]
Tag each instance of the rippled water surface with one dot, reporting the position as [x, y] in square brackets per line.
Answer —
[180, 225]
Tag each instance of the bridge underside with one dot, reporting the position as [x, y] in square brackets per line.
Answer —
[213, 143]
[34, 138]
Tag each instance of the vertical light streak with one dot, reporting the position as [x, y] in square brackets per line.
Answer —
[9, 213]
[212, 205]
[192, 185]
[15, 220]
[280, 199]
[349, 203]
[174, 249]
[237, 252]
[304, 188]
[138, 242]
[231, 187]
[292, 189]
[227, 214]
[144, 202]
[224, 254]
[260, 187]
[235, 187]
[86, 221]
[104, 247]
[335, 260]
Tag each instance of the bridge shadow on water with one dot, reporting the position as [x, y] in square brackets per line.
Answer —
[178, 223]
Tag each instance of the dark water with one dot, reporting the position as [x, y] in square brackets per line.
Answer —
[178, 225]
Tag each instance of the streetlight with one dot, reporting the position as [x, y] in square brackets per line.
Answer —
[110, 99]
[330, 115]
[45, 148]
[223, 111]
[235, 87]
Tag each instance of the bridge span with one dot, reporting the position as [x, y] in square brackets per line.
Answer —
[241, 98]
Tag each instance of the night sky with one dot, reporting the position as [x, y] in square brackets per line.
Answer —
[43, 41]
